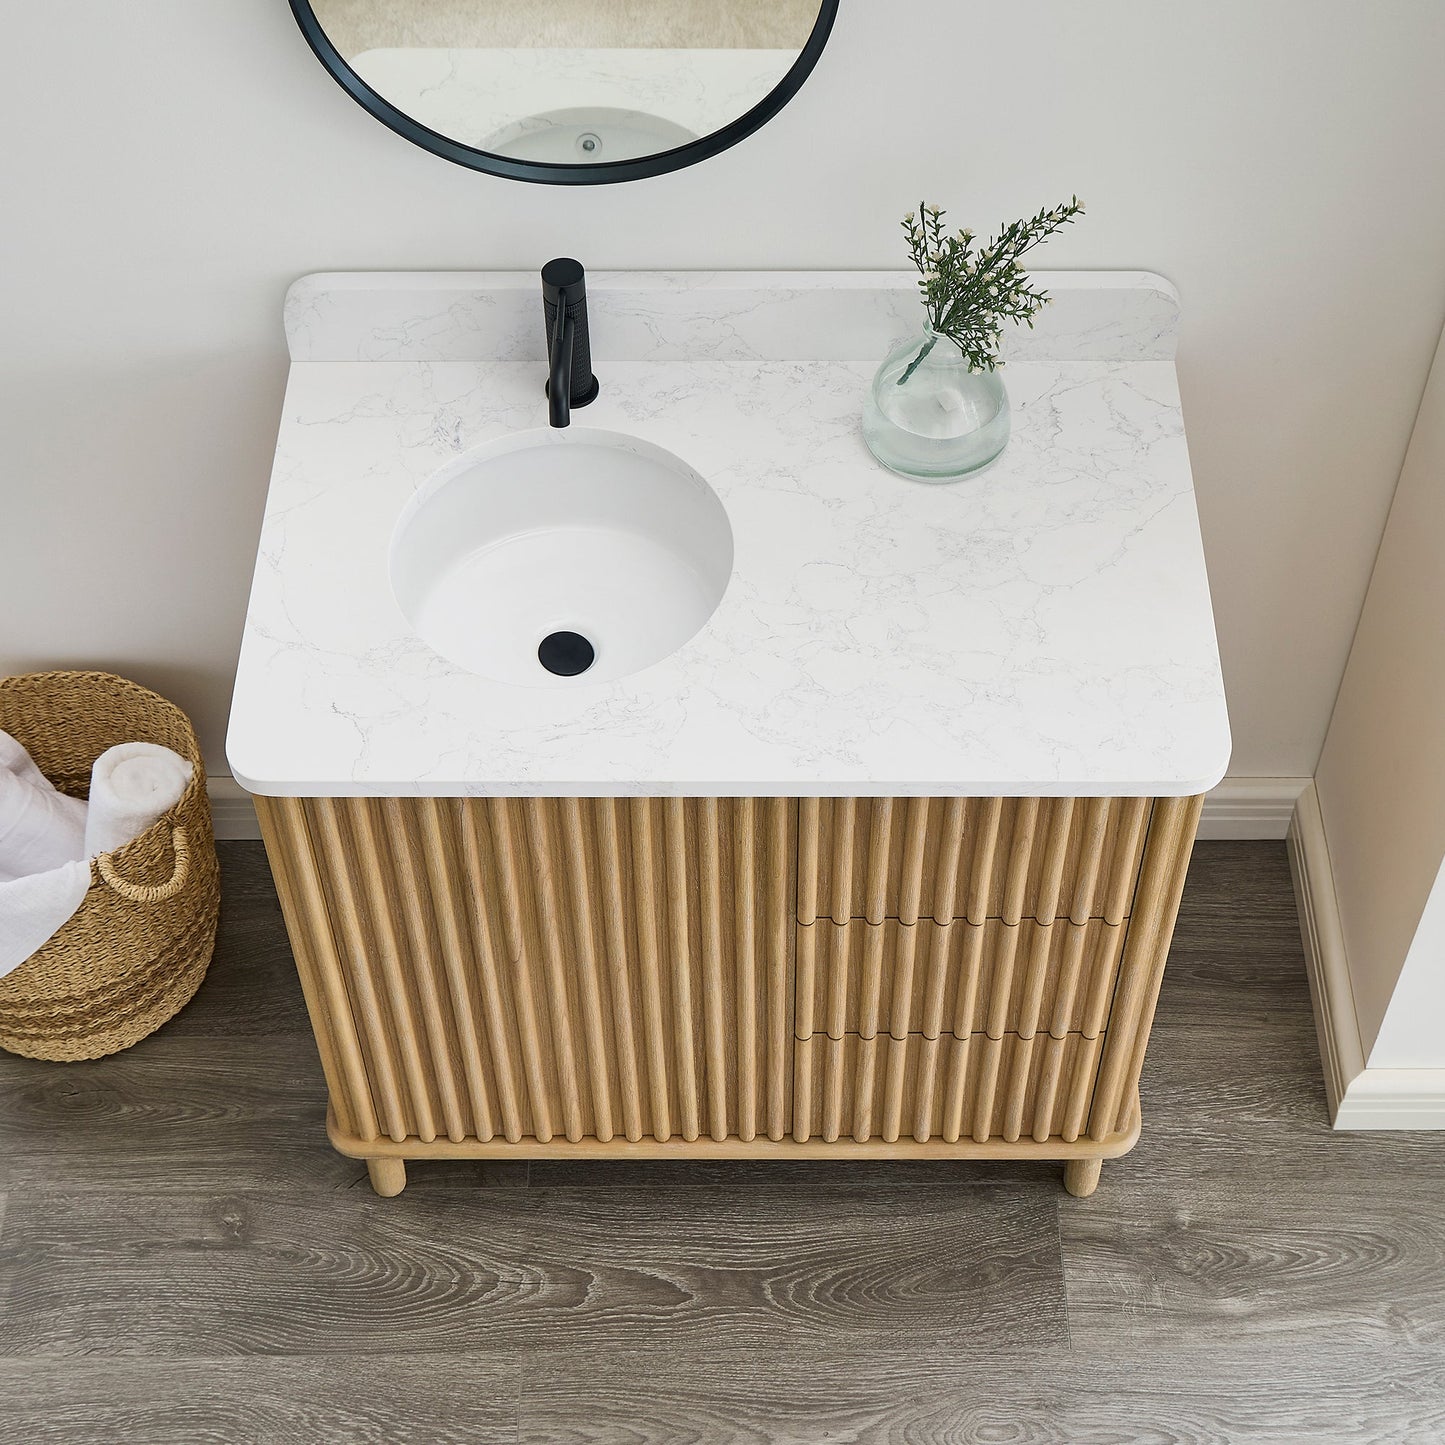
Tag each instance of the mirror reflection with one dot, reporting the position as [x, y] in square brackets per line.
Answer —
[570, 82]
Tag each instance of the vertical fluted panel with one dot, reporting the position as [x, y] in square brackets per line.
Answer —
[1081, 1088]
[845, 814]
[363, 965]
[1097, 814]
[536, 965]
[974, 858]
[1055, 856]
[981, 873]
[1170, 841]
[374, 877]
[745, 964]
[510, 880]
[1047, 1088]
[680, 961]
[714, 1004]
[805, 1064]
[910, 887]
[925, 1086]
[929, 978]
[833, 1080]
[436, 890]
[875, 886]
[1020, 860]
[492, 969]
[809, 831]
[555, 952]
[894, 1083]
[905, 959]
[988, 1058]
[865, 1083]
[1002, 1089]
[573, 844]
[655, 1014]
[1016, 1085]
[780, 932]
[610, 880]
[298, 874]
[955, 1092]
[422, 956]
[937, 945]
[1005, 967]
[579, 966]
[1125, 859]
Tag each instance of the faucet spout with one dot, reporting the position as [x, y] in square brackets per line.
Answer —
[570, 381]
[559, 380]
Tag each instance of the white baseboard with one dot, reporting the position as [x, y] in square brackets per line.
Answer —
[233, 814]
[1237, 808]
[1359, 1097]
[1251, 808]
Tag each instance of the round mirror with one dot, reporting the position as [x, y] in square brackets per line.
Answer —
[573, 92]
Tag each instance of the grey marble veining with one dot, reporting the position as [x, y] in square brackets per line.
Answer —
[1044, 627]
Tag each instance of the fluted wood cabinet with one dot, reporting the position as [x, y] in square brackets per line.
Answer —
[731, 978]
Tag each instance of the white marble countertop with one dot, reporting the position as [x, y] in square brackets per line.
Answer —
[1042, 628]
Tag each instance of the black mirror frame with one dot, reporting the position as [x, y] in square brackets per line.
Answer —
[549, 172]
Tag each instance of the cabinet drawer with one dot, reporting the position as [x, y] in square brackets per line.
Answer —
[947, 1088]
[974, 858]
[957, 977]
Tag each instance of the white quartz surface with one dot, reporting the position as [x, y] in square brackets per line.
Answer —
[1041, 628]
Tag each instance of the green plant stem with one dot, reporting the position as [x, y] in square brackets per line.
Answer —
[917, 360]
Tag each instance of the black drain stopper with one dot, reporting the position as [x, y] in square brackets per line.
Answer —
[565, 653]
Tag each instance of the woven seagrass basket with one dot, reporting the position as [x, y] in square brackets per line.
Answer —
[138, 947]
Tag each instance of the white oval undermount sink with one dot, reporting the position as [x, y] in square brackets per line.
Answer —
[588, 135]
[519, 559]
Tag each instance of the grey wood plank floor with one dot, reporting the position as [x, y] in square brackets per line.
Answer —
[183, 1258]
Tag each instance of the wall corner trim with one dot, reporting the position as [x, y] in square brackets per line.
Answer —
[1359, 1097]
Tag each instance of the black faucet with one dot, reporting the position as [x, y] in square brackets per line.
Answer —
[569, 349]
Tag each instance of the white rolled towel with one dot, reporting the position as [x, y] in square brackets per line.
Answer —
[40, 828]
[131, 785]
[33, 908]
[14, 759]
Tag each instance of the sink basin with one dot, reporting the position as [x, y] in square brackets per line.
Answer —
[587, 134]
[561, 557]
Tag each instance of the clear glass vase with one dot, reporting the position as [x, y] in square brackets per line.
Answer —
[929, 417]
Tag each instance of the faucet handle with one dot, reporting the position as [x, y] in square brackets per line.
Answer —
[564, 274]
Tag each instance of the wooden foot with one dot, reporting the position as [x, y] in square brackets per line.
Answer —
[388, 1176]
[1081, 1176]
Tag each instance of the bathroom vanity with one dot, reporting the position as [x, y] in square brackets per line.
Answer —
[881, 860]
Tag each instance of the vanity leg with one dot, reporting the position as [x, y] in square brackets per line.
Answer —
[388, 1176]
[1081, 1176]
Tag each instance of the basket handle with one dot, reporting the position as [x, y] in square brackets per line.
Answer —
[151, 892]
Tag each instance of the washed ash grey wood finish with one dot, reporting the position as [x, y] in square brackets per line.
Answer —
[180, 1262]
[738, 977]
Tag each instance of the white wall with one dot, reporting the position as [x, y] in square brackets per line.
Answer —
[169, 165]
[1381, 781]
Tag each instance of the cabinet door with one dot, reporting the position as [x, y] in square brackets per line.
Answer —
[546, 968]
